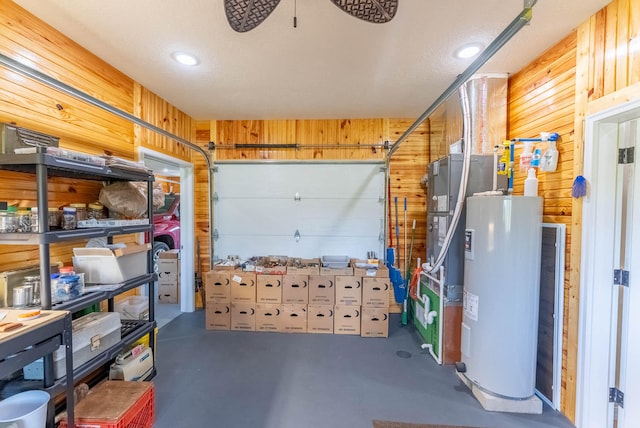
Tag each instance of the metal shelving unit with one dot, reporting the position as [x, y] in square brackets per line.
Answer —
[32, 342]
[43, 166]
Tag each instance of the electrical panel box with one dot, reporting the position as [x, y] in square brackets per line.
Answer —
[444, 178]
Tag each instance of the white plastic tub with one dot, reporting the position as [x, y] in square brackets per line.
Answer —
[25, 410]
[133, 308]
[106, 266]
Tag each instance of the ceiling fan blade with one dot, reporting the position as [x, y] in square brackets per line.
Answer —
[245, 15]
[376, 11]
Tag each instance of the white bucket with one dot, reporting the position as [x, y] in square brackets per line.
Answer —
[24, 410]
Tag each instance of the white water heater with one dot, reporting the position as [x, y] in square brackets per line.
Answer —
[501, 291]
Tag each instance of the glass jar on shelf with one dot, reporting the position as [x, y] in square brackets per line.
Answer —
[95, 211]
[33, 220]
[69, 220]
[7, 221]
[54, 218]
[34, 283]
[23, 220]
[81, 211]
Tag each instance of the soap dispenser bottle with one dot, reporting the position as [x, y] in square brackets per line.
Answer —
[531, 183]
[549, 161]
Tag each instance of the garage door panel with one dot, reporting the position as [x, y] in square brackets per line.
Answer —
[307, 247]
[237, 216]
[307, 181]
[348, 217]
[336, 209]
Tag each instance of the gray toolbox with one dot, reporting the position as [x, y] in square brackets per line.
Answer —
[92, 334]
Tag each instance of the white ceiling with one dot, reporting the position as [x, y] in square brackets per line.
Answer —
[331, 66]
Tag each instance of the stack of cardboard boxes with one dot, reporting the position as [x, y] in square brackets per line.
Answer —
[294, 299]
[168, 276]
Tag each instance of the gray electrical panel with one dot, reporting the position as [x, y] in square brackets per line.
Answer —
[444, 176]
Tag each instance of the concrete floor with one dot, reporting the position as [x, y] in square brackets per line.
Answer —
[276, 380]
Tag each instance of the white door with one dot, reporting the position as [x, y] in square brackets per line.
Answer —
[609, 313]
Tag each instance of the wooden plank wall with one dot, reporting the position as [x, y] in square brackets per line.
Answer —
[601, 59]
[541, 98]
[80, 126]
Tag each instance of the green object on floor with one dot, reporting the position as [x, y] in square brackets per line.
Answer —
[430, 333]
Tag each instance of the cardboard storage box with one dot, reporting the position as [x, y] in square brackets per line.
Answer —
[346, 319]
[269, 317]
[322, 290]
[363, 269]
[347, 271]
[272, 265]
[269, 288]
[167, 293]
[92, 334]
[348, 290]
[133, 308]
[375, 322]
[295, 289]
[106, 266]
[169, 267]
[375, 292]
[218, 316]
[320, 319]
[298, 266]
[243, 316]
[243, 287]
[218, 286]
[294, 318]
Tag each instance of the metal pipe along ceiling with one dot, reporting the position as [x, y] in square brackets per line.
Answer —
[511, 30]
[27, 71]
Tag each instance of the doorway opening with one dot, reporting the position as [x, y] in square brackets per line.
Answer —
[176, 178]
[609, 304]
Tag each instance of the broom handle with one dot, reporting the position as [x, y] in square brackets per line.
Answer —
[397, 233]
[404, 225]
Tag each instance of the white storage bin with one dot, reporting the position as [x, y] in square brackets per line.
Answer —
[107, 266]
[92, 334]
[133, 308]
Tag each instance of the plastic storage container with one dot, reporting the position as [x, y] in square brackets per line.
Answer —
[116, 404]
[106, 266]
[70, 285]
[133, 308]
[92, 335]
[69, 218]
[26, 409]
[335, 262]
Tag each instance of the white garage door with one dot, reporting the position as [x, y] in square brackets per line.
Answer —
[298, 209]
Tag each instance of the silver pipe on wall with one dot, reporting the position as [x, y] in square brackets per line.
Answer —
[516, 25]
[36, 75]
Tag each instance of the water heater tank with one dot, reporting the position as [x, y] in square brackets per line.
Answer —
[501, 291]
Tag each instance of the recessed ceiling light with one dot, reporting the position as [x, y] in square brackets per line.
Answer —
[185, 58]
[468, 51]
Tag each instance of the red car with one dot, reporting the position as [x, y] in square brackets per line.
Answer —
[166, 223]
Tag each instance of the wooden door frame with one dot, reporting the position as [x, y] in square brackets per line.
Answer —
[596, 266]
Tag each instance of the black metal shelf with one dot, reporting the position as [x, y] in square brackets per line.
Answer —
[62, 167]
[43, 166]
[41, 341]
[94, 297]
[71, 235]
